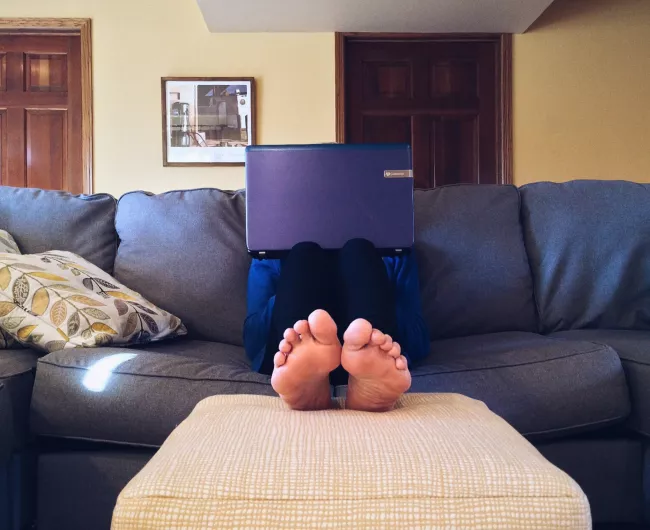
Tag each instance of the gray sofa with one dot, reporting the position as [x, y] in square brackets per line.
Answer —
[537, 299]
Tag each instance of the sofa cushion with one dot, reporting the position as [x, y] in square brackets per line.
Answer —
[543, 386]
[186, 251]
[58, 300]
[633, 347]
[589, 248]
[17, 377]
[474, 273]
[55, 220]
[135, 396]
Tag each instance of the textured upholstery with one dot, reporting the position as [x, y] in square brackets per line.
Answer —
[589, 249]
[543, 387]
[436, 461]
[633, 347]
[135, 396]
[17, 377]
[186, 251]
[474, 273]
[105, 472]
[55, 220]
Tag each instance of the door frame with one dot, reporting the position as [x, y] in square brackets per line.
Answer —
[67, 26]
[504, 74]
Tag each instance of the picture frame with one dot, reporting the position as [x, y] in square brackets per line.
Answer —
[207, 121]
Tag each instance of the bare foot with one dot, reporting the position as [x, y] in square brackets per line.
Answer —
[379, 374]
[309, 352]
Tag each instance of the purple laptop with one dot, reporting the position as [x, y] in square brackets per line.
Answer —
[328, 194]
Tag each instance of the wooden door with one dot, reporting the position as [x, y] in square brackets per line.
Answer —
[41, 112]
[443, 97]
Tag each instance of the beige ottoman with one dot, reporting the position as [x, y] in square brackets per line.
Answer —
[436, 461]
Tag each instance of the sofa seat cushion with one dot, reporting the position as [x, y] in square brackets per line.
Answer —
[633, 347]
[17, 376]
[544, 387]
[138, 395]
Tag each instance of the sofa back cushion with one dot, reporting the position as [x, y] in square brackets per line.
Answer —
[186, 251]
[474, 273]
[589, 247]
[42, 220]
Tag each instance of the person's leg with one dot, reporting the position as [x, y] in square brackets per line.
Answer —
[378, 374]
[307, 282]
[303, 346]
[366, 290]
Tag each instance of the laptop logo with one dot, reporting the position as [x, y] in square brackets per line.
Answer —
[394, 174]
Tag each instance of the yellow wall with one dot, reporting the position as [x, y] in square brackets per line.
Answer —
[582, 92]
[581, 88]
[137, 42]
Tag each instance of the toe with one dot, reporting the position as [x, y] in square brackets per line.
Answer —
[358, 334]
[279, 359]
[302, 329]
[377, 338]
[388, 343]
[291, 336]
[323, 327]
[401, 363]
[285, 346]
[395, 350]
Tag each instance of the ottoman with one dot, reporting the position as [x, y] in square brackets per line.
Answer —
[436, 461]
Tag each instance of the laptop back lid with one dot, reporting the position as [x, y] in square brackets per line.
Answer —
[328, 194]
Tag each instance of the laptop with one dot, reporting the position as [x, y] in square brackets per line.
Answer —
[328, 194]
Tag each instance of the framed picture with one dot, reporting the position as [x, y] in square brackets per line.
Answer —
[207, 121]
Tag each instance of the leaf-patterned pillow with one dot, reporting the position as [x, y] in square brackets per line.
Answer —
[58, 300]
[7, 243]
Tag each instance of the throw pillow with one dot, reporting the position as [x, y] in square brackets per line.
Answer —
[7, 243]
[9, 246]
[58, 300]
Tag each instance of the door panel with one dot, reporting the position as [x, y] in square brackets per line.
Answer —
[455, 157]
[386, 129]
[3, 72]
[40, 98]
[3, 144]
[385, 80]
[46, 72]
[46, 133]
[441, 96]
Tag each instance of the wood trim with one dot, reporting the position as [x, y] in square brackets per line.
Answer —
[87, 141]
[339, 75]
[421, 36]
[163, 104]
[506, 158]
[69, 26]
[505, 169]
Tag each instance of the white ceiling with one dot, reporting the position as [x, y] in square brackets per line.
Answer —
[399, 16]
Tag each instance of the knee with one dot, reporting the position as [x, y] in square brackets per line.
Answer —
[306, 247]
[359, 245]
